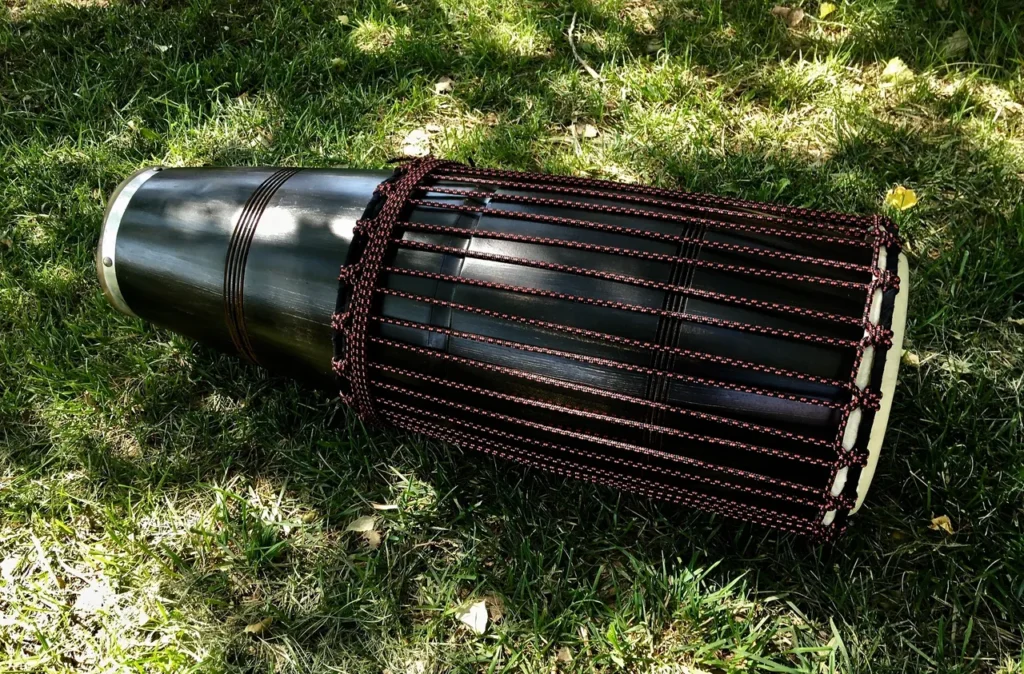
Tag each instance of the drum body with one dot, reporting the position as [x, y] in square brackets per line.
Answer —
[733, 356]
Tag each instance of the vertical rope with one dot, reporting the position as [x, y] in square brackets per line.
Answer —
[637, 440]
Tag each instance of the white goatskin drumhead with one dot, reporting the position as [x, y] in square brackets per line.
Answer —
[892, 366]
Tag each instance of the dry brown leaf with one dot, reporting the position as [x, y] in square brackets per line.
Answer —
[942, 523]
[372, 539]
[362, 524]
[495, 608]
[563, 655]
[476, 617]
[791, 16]
[258, 627]
[443, 85]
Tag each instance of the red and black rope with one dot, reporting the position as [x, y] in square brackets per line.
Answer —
[536, 425]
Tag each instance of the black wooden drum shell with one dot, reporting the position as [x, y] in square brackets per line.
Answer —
[710, 351]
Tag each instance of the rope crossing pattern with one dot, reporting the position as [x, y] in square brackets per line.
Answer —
[727, 384]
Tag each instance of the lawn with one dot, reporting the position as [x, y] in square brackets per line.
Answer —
[164, 507]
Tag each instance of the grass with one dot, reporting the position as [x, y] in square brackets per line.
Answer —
[156, 497]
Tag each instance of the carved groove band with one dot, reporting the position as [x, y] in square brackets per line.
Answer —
[238, 254]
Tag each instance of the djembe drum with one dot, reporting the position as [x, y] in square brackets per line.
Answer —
[734, 356]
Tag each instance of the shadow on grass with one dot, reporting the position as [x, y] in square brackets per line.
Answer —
[167, 416]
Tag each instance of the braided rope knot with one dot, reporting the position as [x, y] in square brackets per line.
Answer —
[868, 399]
[885, 280]
[884, 231]
[351, 325]
[840, 502]
[878, 336]
[349, 273]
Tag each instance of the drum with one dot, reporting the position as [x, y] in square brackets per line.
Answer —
[723, 354]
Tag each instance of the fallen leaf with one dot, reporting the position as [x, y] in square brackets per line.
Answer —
[792, 16]
[941, 522]
[443, 85]
[956, 44]
[372, 539]
[258, 627]
[495, 608]
[343, 19]
[309, 517]
[563, 655]
[825, 9]
[911, 359]
[897, 71]
[476, 617]
[901, 198]
[585, 130]
[416, 143]
[361, 524]
[384, 506]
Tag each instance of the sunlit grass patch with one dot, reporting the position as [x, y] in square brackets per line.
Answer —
[158, 500]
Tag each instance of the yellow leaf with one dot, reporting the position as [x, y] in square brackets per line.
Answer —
[259, 627]
[361, 524]
[825, 9]
[897, 71]
[911, 359]
[900, 197]
[563, 655]
[372, 539]
[941, 523]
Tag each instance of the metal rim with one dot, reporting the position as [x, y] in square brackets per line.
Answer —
[106, 257]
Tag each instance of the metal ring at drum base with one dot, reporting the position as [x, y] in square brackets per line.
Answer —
[106, 251]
